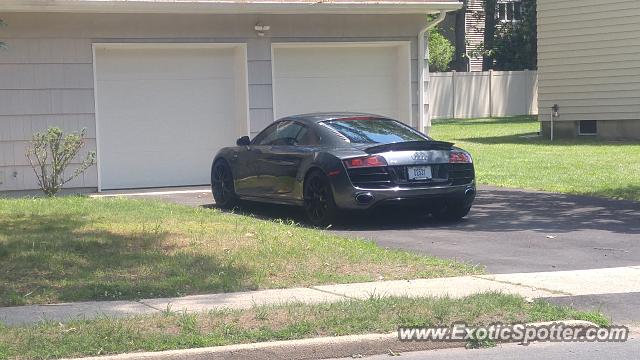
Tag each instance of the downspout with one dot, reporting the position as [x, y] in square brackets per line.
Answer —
[424, 122]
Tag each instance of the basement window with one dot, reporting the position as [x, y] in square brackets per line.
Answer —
[588, 127]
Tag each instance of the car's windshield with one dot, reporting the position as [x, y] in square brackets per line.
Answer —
[374, 130]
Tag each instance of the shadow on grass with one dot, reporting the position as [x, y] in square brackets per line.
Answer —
[533, 139]
[486, 121]
[57, 258]
[266, 211]
[626, 192]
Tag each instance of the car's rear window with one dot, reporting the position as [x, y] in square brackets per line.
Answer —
[374, 130]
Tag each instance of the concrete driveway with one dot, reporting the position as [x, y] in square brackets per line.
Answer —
[508, 231]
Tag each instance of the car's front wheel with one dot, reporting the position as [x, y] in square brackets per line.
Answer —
[318, 199]
[222, 185]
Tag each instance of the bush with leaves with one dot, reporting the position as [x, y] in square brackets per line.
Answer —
[51, 152]
[441, 52]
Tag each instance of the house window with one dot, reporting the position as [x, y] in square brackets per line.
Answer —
[509, 11]
[588, 127]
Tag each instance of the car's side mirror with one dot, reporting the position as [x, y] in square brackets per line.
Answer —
[243, 141]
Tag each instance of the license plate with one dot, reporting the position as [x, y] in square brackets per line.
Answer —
[419, 172]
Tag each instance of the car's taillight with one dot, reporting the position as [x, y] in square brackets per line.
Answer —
[366, 161]
[457, 157]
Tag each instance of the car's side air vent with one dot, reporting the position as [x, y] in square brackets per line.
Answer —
[371, 178]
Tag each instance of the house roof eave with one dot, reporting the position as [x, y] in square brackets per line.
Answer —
[233, 6]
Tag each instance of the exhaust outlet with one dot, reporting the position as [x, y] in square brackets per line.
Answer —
[469, 196]
[364, 198]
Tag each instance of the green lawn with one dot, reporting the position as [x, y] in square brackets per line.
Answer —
[503, 157]
[78, 248]
[292, 321]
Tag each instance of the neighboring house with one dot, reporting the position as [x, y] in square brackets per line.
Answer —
[507, 11]
[589, 64]
[474, 33]
[161, 85]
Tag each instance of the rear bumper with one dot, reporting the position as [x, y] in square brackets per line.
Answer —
[366, 199]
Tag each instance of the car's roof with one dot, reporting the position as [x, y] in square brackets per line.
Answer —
[324, 116]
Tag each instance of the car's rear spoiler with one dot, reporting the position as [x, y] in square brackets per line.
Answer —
[409, 145]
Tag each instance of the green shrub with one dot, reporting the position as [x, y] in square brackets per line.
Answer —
[50, 153]
[441, 52]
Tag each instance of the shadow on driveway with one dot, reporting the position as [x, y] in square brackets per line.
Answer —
[508, 230]
[495, 210]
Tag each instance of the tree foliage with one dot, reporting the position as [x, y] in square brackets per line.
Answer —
[441, 51]
[490, 7]
[511, 45]
[51, 152]
[516, 44]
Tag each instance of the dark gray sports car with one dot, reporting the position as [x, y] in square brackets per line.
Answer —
[328, 162]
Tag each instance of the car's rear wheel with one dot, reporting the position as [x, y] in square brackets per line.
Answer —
[318, 199]
[222, 185]
[452, 211]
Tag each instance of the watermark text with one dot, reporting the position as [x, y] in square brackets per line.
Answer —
[520, 333]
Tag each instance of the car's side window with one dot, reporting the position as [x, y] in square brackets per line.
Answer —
[280, 133]
[266, 135]
[306, 137]
[287, 133]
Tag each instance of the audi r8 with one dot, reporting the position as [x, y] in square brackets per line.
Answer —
[329, 162]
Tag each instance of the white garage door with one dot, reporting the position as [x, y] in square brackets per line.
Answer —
[360, 77]
[164, 110]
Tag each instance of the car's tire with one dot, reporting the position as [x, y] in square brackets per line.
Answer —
[452, 211]
[222, 186]
[319, 204]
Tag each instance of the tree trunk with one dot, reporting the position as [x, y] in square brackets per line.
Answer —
[461, 60]
[489, 33]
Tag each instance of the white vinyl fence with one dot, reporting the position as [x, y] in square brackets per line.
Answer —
[483, 94]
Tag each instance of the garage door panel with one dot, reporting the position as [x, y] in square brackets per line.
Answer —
[176, 167]
[365, 94]
[159, 122]
[183, 118]
[321, 62]
[132, 64]
[368, 78]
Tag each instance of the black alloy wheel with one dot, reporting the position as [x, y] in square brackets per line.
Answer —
[318, 199]
[222, 185]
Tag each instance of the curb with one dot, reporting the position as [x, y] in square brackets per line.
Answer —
[308, 349]
[304, 349]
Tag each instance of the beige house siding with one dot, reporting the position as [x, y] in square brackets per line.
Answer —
[589, 61]
[46, 74]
